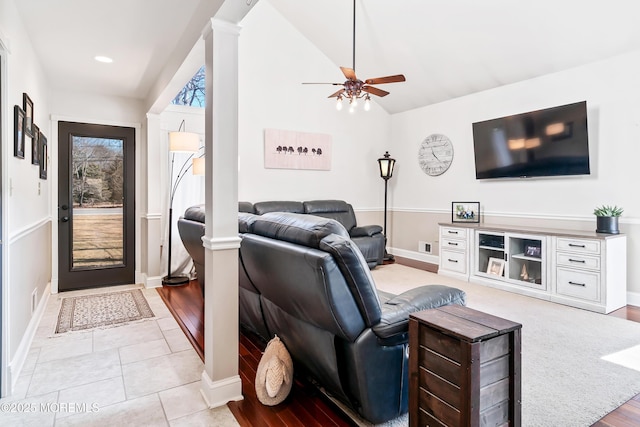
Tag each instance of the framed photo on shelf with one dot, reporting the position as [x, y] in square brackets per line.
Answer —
[27, 105]
[18, 132]
[495, 266]
[532, 251]
[42, 155]
[465, 212]
[35, 148]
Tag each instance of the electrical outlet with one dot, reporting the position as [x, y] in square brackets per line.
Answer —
[34, 300]
[424, 247]
[38, 188]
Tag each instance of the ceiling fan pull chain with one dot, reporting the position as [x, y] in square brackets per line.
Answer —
[354, 36]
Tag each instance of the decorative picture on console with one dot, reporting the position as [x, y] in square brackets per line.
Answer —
[495, 266]
[465, 212]
[532, 251]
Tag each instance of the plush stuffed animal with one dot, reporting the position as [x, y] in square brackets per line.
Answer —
[274, 376]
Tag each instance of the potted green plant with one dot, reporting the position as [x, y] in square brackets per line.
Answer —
[607, 219]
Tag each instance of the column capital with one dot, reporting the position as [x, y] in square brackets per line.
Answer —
[216, 24]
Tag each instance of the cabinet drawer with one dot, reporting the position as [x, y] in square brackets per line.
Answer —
[453, 232]
[579, 284]
[454, 244]
[579, 261]
[579, 245]
[453, 261]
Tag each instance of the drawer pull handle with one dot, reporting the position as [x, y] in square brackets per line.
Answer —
[577, 260]
[452, 232]
[452, 260]
[573, 245]
[452, 244]
[576, 283]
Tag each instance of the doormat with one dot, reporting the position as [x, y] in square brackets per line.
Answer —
[102, 310]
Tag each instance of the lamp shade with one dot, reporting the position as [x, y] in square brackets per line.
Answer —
[198, 166]
[184, 142]
[386, 164]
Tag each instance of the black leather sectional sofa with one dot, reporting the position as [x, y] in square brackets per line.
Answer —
[303, 278]
[368, 238]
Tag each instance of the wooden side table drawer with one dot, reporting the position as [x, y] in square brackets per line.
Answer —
[464, 368]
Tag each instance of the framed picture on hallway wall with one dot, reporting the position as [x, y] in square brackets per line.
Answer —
[43, 158]
[18, 132]
[35, 155]
[27, 105]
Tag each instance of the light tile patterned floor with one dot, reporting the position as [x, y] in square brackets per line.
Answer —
[140, 374]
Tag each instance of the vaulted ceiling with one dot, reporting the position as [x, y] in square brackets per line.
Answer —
[446, 49]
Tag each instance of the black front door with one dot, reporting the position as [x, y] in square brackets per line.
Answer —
[96, 205]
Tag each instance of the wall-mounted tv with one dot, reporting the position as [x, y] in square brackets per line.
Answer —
[549, 142]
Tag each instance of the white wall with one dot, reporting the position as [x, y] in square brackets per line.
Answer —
[274, 61]
[610, 89]
[26, 198]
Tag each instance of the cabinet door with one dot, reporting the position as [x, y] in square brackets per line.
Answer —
[526, 260]
[490, 254]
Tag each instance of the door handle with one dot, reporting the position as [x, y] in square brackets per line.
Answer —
[64, 219]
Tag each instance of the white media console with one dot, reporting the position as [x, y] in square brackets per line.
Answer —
[582, 269]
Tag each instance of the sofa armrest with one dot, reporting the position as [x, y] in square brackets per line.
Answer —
[365, 230]
[396, 310]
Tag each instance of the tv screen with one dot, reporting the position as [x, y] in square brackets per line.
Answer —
[549, 142]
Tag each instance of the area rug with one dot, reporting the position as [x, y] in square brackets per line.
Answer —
[577, 366]
[102, 310]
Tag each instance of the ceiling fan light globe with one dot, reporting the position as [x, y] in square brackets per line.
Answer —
[367, 104]
[339, 104]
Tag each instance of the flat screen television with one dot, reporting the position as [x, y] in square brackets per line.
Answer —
[549, 142]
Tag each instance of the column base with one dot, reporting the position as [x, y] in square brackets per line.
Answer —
[218, 393]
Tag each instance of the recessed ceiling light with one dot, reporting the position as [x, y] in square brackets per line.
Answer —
[104, 59]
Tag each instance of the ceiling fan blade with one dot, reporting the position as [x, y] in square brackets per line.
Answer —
[375, 91]
[349, 73]
[388, 79]
[335, 95]
[315, 83]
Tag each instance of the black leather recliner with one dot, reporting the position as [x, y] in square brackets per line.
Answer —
[303, 278]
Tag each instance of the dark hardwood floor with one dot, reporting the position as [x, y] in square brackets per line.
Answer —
[306, 406]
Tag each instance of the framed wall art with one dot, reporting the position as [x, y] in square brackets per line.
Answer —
[35, 147]
[465, 212]
[18, 132]
[42, 155]
[27, 105]
[284, 149]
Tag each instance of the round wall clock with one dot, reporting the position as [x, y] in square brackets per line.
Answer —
[435, 154]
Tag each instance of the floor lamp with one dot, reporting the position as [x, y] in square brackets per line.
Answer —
[185, 142]
[386, 164]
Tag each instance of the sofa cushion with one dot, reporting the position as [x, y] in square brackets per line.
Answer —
[245, 221]
[305, 230]
[245, 207]
[339, 210]
[261, 208]
[195, 213]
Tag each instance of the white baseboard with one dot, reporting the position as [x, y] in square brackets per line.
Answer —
[418, 256]
[633, 298]
[151, 282]
[17, 363]
[218, 393]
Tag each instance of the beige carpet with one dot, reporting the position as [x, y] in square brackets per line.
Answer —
[86, 312]
[577, 365]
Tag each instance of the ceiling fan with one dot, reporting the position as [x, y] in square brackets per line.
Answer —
[354, 88]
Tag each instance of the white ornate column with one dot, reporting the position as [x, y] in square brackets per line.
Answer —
[220, 379]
